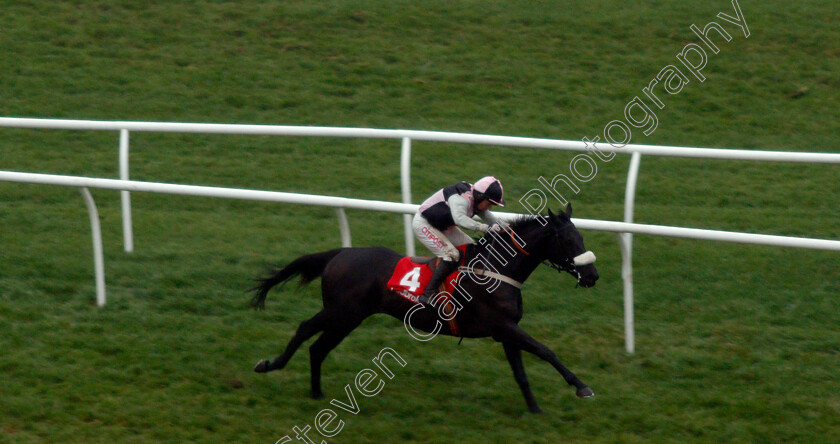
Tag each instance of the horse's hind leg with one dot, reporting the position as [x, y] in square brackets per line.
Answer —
[306, 330]
[319, 350]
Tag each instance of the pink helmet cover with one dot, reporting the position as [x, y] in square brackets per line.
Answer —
[492, 189]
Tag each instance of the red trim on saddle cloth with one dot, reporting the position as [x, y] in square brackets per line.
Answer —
[409, 280]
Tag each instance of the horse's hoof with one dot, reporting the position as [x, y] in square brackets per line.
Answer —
[261, 366]
[585, 392]
[317, 395]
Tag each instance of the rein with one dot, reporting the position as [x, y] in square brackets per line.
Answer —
[516, 244]
[584, 259]
[522, 250]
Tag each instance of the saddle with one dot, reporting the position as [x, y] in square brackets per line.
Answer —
[412, 275]
[431, 262]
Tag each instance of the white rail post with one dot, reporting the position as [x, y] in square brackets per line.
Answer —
[625, 241]
[344, 227]
[96, 234]
[128, 232]
[405, 183]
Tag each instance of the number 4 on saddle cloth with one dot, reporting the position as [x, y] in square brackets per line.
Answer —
[412, 274]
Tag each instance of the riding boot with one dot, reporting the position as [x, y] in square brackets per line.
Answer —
[444, 269]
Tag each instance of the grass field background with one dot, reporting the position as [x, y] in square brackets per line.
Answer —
[735, 343]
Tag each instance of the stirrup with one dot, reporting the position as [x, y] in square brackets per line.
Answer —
[444, 269]
[425, 299]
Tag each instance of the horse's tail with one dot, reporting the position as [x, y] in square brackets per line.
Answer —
[308, 267]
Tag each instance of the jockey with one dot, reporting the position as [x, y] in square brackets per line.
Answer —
[436, 223]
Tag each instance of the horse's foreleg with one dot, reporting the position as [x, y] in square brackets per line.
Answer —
[514, 356]
[306, 330]
[516, 336]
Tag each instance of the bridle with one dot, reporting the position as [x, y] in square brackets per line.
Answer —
[569, 264]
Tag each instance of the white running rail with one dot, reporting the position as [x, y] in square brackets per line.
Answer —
[625, 229]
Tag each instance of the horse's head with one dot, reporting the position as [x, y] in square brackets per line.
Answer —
[568, 253]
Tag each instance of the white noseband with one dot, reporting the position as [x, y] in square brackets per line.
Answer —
[584, 259]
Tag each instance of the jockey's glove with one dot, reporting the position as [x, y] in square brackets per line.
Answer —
[489, 228]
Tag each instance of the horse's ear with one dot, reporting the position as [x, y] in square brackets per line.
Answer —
[569, 210]
[550, 214]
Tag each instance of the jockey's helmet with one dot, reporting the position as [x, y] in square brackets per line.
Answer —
[491, 189]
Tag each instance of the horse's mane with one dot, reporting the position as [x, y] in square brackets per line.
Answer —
[522, 222]
[521, 225]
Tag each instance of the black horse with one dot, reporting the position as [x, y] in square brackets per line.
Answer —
[354, 287]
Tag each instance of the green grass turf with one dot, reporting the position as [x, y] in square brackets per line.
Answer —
[735, 343]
